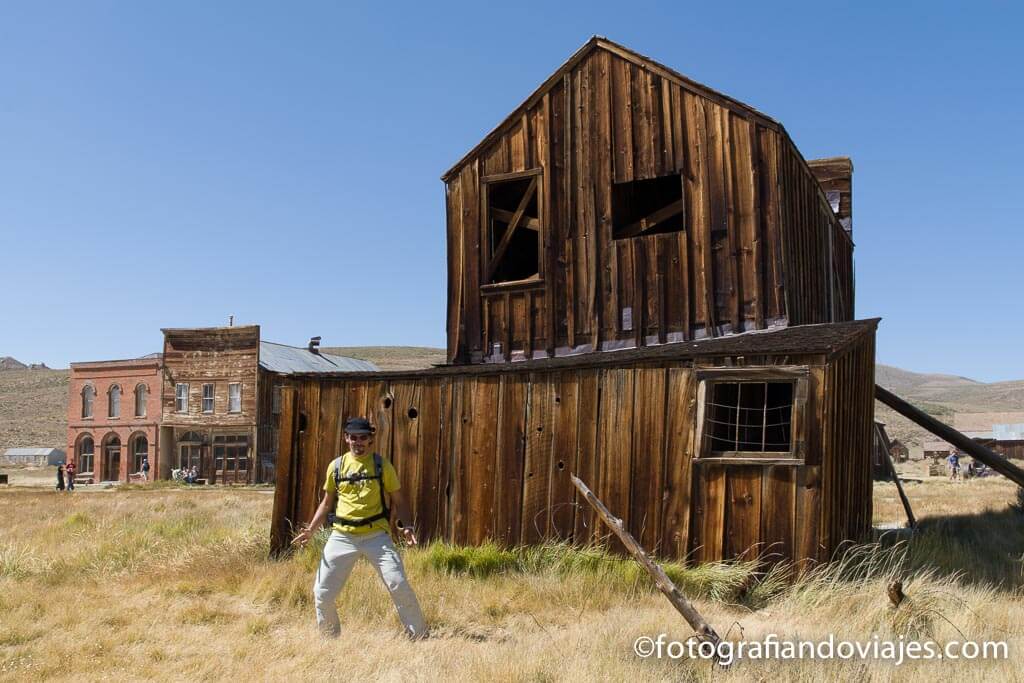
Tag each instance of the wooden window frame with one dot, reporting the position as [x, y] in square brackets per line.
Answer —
[91, 403]
[177, 398]
[113, 414]
[798, 375]
[212, 399]
[239, 408]
[486, 270]
[145, 397]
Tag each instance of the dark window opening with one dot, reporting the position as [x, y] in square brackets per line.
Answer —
[749, 417]
[647, 207]
[513, 230]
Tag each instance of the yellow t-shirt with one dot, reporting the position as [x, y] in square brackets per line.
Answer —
[361, 499]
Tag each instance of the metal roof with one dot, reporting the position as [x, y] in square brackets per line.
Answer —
[31, 451]
[292, 359]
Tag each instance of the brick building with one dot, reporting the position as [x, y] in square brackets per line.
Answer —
[113, 417]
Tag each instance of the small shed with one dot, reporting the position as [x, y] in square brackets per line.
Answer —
[37, 457]
[899, 451]
[937, 449]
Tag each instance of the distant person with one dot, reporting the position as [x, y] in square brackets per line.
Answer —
[145, 469]
[357, 487]
[193, 475]
[60, 477]
[954, 466]
[69, 474]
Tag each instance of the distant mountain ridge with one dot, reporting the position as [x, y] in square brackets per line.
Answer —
[8, 363]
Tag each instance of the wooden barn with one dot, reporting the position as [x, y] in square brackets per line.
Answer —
[622, 204]
[647, 287]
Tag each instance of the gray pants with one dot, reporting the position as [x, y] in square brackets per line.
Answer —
[340, 555]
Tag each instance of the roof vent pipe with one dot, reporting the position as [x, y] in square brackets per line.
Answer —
[314, 345]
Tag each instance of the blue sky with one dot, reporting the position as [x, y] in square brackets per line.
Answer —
[169, 164]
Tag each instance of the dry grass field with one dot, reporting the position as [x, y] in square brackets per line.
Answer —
[167, 583]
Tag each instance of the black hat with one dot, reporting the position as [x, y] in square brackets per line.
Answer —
[358, 425]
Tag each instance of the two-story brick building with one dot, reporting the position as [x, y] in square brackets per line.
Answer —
[113, 417]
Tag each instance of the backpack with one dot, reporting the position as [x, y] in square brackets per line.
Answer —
[378, 475]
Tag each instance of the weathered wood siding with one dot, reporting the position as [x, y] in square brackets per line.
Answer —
[487, 455]
[760, 244]
[218, 356]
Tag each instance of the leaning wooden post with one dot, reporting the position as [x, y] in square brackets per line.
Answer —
[661, 580]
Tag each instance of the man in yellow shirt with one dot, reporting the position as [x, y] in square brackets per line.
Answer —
[358, 485]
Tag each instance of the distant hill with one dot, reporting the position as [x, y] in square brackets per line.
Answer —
[33, 408]
[8, 363]
[941, 396]
[33, 403]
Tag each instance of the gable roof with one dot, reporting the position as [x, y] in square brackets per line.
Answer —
[31, 451]
[600, 42]
[288, 360]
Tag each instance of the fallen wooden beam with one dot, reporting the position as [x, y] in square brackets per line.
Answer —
[952, 436]
[661, 580]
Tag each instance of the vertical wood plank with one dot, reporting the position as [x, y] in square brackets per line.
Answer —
[676, 497]
[565, 426]
[510, 461]
[743, 519]
[537, 474]
[648, 473]
[480, 461]
[587, 527]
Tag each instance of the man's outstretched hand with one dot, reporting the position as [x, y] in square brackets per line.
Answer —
[302, 538]
[408, 536]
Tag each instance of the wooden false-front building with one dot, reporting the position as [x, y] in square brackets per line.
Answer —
[647, 287]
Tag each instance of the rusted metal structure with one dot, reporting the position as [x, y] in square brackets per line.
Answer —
[647, 287]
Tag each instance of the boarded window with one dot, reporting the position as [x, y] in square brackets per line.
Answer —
[207, 398]
[647, 207]
[181, 398]
[513, 229]
[748, 417]
[275, 402]
[234, 398]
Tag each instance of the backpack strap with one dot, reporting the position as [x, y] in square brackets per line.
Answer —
[378, 474]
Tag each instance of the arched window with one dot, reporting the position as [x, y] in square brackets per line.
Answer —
[140, 452]
[114, 403]
[140, 400]
[84, 456]
[88, 395]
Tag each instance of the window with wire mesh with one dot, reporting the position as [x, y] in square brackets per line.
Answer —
[749, 417]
